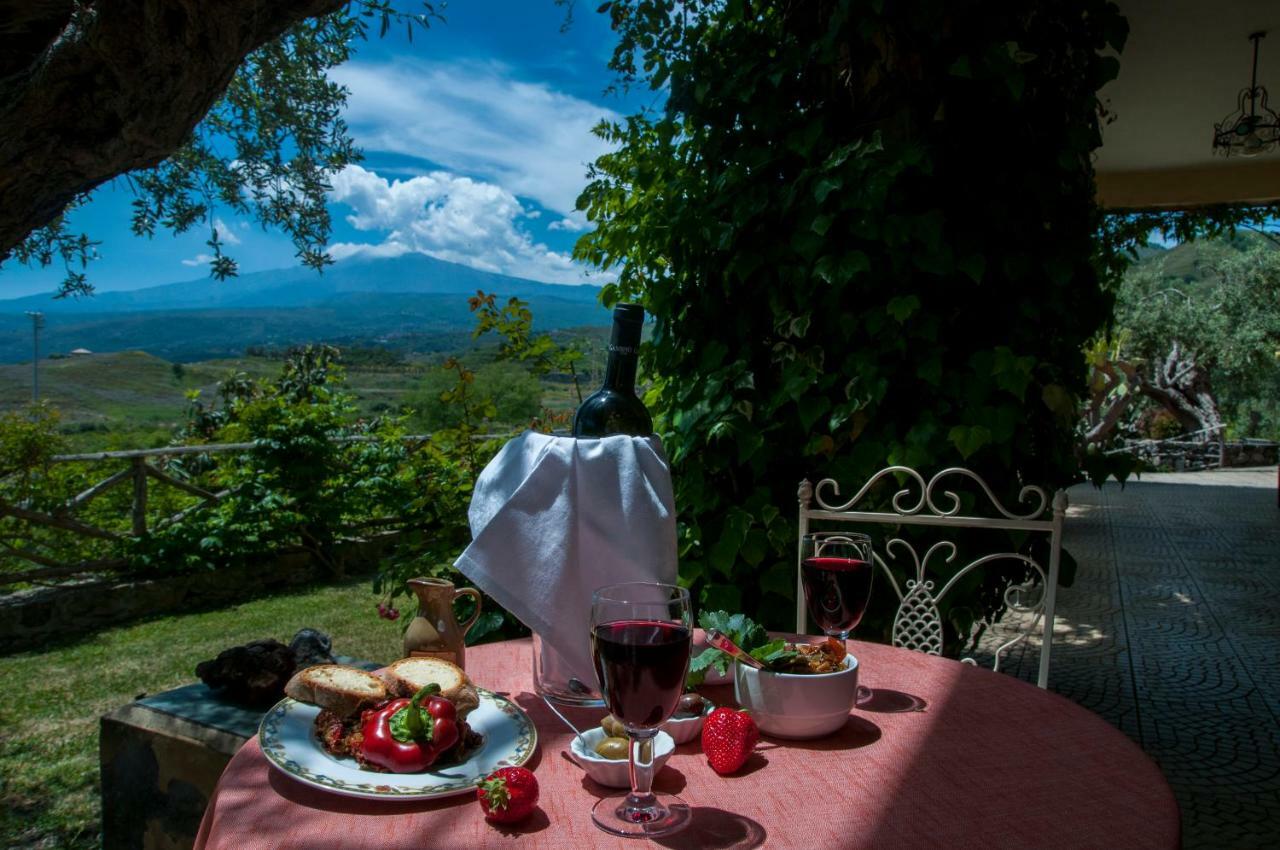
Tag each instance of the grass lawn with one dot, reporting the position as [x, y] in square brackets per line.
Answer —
[49, 718]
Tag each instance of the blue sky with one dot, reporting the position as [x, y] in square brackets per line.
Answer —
[476, 138]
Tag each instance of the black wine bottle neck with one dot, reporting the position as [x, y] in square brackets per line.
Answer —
[624, 353]
[620, 370]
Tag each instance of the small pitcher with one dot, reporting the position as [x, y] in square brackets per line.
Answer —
[435, 631]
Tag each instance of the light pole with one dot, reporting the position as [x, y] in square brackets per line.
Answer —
[37, 322]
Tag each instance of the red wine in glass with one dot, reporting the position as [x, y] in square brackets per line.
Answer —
[837, 590]
[835, 575]
[641, 665]
[641, 635]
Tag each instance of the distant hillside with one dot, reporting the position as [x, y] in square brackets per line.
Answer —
[411, 303]
[127, 386]
[1192, 262]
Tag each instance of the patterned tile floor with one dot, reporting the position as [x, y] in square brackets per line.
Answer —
[1171, 631]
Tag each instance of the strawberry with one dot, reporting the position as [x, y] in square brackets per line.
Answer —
[508, 795]
[728, 739]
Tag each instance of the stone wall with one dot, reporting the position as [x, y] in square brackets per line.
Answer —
[32, 618]
[1252, 453]
[1170, 455]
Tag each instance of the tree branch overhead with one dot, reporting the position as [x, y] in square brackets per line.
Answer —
[93, 90]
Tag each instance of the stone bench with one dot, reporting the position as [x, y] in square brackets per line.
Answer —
[160, 758]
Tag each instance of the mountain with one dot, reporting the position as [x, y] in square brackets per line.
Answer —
[303, 287]
[411, 302]
[1194, 262]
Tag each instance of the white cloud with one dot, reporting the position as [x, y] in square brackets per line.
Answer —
[572, 225]
[225, 233]
[476, 118]
[448, 217]
[198, 260]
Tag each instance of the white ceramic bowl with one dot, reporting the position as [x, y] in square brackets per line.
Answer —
[614, 772]
[795, 705]
[684, 729]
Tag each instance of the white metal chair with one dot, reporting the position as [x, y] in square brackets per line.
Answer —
[918, 623]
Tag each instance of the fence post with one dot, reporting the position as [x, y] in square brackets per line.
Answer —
[139, 496]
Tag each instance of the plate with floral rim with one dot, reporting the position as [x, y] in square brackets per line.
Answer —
[288, 740]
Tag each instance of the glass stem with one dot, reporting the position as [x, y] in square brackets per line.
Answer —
[641, 796]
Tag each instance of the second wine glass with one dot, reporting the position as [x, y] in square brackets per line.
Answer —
[836, 570]
[641, 636]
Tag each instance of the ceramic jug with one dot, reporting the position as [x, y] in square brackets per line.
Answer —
[435, 630]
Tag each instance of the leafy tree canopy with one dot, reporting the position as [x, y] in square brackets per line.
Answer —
[867, 234]
[196, 105]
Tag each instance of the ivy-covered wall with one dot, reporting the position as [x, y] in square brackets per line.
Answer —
[866, 232]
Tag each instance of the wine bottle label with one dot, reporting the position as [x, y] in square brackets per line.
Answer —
[622, 349]
[443, 654]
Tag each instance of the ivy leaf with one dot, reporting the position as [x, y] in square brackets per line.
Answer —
[969, 438]
[974, 266]
[1060, 400]
[902, 306]
[825, 187]
[779, 579]
[838, 270]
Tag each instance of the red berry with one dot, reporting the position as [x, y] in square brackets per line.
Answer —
[728, 739]
[508, 795]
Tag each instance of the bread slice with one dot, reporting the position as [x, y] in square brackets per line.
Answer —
[342, 690]
[409, 675]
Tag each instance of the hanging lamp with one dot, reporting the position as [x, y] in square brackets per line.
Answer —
[1253, 128]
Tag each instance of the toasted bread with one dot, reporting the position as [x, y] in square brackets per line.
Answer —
[409, 675]
[342, 690]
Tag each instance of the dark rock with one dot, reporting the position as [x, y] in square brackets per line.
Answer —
[252, 674]
[311, 647]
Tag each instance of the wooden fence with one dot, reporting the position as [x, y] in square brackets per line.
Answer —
[143, 469]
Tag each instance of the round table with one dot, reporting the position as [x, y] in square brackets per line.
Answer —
[942, 755]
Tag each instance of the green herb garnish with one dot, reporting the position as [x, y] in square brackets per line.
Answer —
[740, 629]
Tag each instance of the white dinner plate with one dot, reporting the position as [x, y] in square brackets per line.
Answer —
[288, 739]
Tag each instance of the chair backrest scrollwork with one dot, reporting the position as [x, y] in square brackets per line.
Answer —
[918, 624]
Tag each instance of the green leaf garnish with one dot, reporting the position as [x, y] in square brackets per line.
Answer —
[739, 628]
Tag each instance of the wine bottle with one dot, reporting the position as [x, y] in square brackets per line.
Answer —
[614, 408]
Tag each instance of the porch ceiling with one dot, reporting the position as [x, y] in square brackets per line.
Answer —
[1181, 70]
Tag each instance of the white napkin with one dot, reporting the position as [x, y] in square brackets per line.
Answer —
[554, 518]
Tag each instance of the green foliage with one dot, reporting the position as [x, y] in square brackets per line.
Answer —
[1228, 321]
[316, 475]
[866, 232]
[28, 439]
[513, 323]
[265, 149]
[509, 390]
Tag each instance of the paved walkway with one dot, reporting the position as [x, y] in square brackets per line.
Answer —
[1171, 631]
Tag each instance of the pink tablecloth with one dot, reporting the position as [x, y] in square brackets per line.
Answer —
[988, 762]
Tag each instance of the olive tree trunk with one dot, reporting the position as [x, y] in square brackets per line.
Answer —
[92, 90]
[1182, 386]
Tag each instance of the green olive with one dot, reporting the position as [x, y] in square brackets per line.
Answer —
[613, 727]
[612, 748]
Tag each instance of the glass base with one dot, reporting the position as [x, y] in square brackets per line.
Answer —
[668, 814]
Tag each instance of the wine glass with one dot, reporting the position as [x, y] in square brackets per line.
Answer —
[641, 634]
[836, 570]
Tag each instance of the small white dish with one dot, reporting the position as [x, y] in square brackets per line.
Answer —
[684, 729]
[796, 705]
[614, 773]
